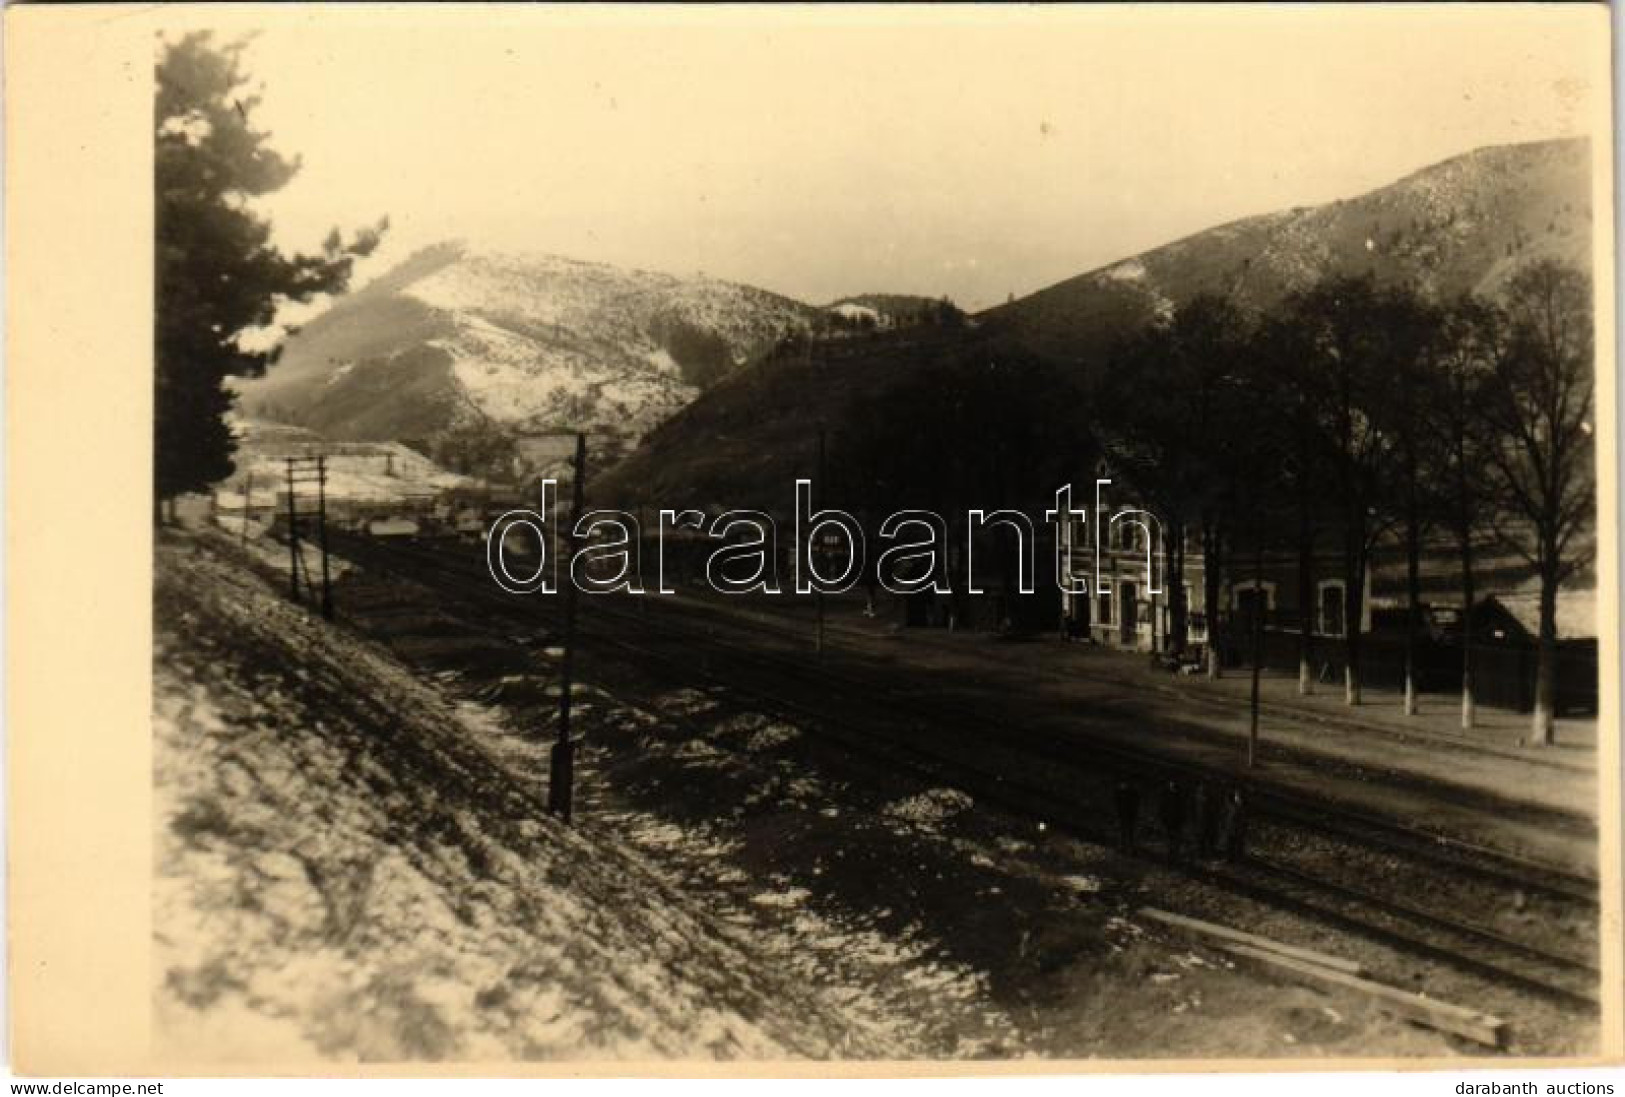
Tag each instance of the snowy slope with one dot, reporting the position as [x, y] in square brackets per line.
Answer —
[457, 340]
[356, 471]
[344, 873]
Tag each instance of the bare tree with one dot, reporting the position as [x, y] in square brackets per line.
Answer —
[1262, 477]
[1170, 444]
[1349, 352]
[1282, 354]
[1539, 404]
[1411, 333]
[1464, 364]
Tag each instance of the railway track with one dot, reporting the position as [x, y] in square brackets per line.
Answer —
[1063, 782]
[1495, 865]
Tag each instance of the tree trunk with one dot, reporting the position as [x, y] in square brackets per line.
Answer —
[1468, 702]
[1306, 600]
[1178, 612]
[1009, 566]
[1258, 646]
[1353, 612]
[1212, 562]
[1546, 662]
[1413, 604]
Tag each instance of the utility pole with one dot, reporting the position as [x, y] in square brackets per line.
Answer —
[643, 599]
[293, 539]
[306, 470]
[1258, 644]
[561, 777]
[248, 506]
[321, 534]
[812, 549]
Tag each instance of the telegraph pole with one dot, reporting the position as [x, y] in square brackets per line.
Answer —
[812, 551]
[643, 599]
[293, 539]
[1258, 643]
[561, 777]
[248, 505]
[321, 533]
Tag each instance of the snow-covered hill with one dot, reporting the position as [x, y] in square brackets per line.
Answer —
[457, 342]
[1462, 225]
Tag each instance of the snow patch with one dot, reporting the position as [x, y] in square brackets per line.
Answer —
[772, 736]
[789, 897]
[660, 358]
[853, 311]
[1129, 270]
[930, 807]
[685, 702]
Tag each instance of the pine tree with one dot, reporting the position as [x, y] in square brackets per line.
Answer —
[217, 274]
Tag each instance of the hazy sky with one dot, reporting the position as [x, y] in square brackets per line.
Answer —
[819, 153]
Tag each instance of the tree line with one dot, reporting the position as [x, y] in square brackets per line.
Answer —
[1357, 411]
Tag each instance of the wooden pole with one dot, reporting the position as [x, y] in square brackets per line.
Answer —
[248, 505]
[1258, 646]
[1238, 937]
[1484, 1028]
[321, 533]
[818, 592]
[643, 599]
[560, 793]
[293, 539]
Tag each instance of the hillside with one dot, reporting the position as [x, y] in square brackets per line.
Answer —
[1456, 226]
[1460, 225]
[744, 443]
[353, 864]
[356, 471]
[460, 342]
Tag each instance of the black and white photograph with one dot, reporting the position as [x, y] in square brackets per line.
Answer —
[878, 534]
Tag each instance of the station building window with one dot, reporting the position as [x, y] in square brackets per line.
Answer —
[1248, 599]
[1330, 617]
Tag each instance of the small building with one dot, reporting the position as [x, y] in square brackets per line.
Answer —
[1122, 610]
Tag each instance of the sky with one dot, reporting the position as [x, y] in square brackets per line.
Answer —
[966, 151]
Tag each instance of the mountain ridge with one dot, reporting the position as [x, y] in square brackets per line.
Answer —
[1455, 226]
[457, 343]
[457, 339]
[1461, 225]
